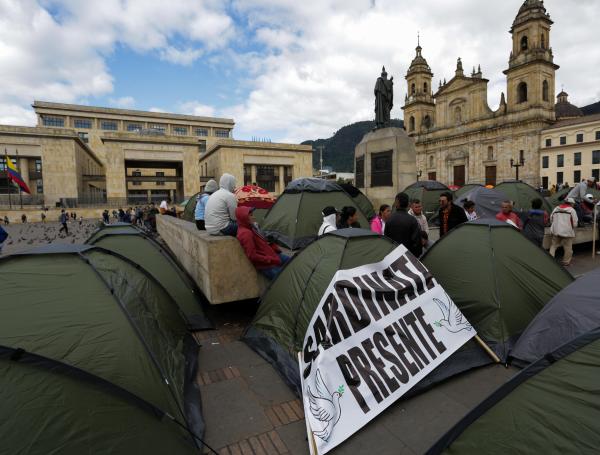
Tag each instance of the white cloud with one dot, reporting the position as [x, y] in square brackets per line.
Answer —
[196, 108]
[183, 57]
[124, 102]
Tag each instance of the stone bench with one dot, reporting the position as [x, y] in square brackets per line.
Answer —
[217, 264]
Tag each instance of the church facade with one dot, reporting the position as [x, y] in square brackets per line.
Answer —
[458, 138]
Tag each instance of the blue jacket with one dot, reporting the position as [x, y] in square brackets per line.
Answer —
[201, 206]
[3, 235]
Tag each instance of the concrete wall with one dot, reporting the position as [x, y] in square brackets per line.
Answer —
[217, 264]
[34, 215]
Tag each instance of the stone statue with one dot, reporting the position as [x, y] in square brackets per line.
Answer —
[384, 100]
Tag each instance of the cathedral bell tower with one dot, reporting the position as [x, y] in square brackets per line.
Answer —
[531, 69]
[419, 107]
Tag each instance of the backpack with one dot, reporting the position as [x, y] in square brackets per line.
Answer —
[533, 228]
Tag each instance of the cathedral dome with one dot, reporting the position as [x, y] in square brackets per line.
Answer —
[564, 109]
[531, 9]
[419, 64]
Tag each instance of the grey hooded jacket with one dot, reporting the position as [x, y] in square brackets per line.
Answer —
[221, 205]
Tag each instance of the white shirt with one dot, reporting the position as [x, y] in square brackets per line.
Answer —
[163, 205]
[471, 216]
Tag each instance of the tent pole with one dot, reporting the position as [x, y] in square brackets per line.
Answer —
[594, 227]
[487, 349]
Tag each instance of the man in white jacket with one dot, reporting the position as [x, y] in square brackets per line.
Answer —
[219, 214]
[564, 221]
[330, 215]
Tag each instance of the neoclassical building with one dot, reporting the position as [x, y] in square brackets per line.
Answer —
[458, 138]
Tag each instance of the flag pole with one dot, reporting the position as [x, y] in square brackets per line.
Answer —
[487, 349]
[20, 191]
[7, 178]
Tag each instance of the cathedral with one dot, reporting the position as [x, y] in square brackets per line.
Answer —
[458, 138]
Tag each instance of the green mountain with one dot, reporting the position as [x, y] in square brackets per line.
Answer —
[338, 150]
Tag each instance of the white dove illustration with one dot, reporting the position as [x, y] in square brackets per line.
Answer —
[324, 406]
[452, 319]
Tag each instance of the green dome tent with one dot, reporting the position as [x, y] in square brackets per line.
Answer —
[465, 189]
[295, 218]
[362, 201]
[286, 307]
[94, 356]
[134, 244]
[428, 192]
[557, 198]
[522, 194]
[498, 279]
[553, 406]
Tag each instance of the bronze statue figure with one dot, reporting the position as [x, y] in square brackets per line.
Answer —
[384, 99]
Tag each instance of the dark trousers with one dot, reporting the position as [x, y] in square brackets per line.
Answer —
[65, 228]
[200, 225]
[231, 229]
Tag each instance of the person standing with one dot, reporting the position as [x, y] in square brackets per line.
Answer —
[201, 200]
[6, 220]
[404, 228]
[450, 215]
[469, 207]
[219, 215]
[63, 218]
[564, 220]
[43, 217]
[535, 223]
[349, 218]
[378, 222]
[23, 218]
[507, 215]
[416, 210]
[330, 217]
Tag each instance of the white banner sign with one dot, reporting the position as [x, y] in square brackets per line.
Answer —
[378, 330]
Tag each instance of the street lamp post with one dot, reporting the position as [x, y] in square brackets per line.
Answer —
[419, 174]
[518, 164]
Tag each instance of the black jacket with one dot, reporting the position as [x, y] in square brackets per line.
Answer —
[404, 229]
[457, 216]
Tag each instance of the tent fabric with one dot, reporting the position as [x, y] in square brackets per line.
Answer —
[362, 201]
[311, 184]
[429, 198]
[141, 249]
[286, 307]
[522, 194]
[294, 220]
[557, 198]
[552, 406]
[498, 279]
[487, 201]
[465, 189]
[86, 318]
[572, 312]
[429, 185]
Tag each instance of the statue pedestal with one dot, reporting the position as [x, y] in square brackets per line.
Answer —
[389, 162]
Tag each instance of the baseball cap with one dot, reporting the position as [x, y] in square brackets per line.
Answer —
[589, 197]
[329, 210]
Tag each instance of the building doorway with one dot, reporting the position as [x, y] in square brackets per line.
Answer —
[490, 175]
[431, 176]
[545, 183]
[459, 175]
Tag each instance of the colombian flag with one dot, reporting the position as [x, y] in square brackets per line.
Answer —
[14, 175]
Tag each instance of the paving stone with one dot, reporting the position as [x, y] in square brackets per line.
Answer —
[232, 413]
[213, 356]
[294, 437]
[243, 355]
[266, 383]
[374, 438]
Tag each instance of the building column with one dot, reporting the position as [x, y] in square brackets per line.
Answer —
[149, 196]
[24, 169]
[281, 179]
[252, 173]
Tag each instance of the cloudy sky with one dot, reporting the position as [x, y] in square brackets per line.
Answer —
[288, 70]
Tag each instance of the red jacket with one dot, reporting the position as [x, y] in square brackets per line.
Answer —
[262, 254]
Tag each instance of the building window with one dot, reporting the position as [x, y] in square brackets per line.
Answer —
[577, 159]
[82, 123]
[360, 172]
[85, 137]
[431, 162]
[247, 174]
[413, 89]
[579, 137]
[266, 178]
[457, 114]
[137, 174]
[38, 165]
[180, 130]
[543, 41]
[381, 169]
[134, 127]
[548, 142]
[596, 157]
[427, 122]
[160, 182]
[222, 133]
[563, 140]
[202, 146]
[425, 87]
[559, 178]
[287, 177]
[411, 123]
[522, 93]
[545, 96]
[2, 163]
[53, 121]
[524, 43]
[596, 174]
[545, 162]
[158, 127]
[598, 135]
[201, 131]
[576, 176]
[39, 187]
[560, 160]
[108, 125]
[490, 153]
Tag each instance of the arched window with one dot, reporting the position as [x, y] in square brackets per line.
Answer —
[431, 162]
[425, 88]
[522, 93]
[524, 43]
[543, 41]
[490, 154]
[545, 96]
[457, 114]
[413, 89]
[427, 122]
[411, 124]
